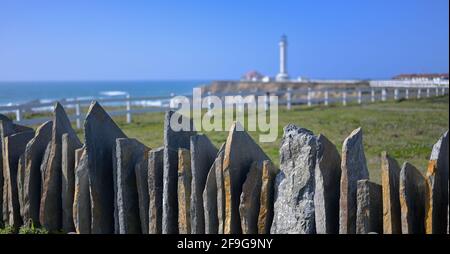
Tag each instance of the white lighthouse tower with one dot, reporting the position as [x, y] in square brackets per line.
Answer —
[283, 75]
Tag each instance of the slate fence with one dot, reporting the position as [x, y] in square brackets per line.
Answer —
[110, 183]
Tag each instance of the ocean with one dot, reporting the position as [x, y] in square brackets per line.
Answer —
[22, 92]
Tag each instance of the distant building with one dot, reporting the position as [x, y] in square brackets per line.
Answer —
[283, 75]
[252, 76]
[422, 77]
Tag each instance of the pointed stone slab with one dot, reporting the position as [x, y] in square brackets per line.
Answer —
[210, 202]
[173, 140]
[218, 166]
[354, 168]
[390, 180]
[412, 200]
[294, 185]
[184, 191]
[7, 127]
[33, 156]
[127, 154]
[51, 208]
[212, 196]
[100, 137]
[203, 154]
[265, 216]
[82, 199]
[14, 146]
[326, 197]
[250, 199]
[236, 165]
[141, 171]
[369, 200]
[155, 189]
[69, 146]
[437, 181]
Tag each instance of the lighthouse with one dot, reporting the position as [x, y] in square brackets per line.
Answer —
[283, 75]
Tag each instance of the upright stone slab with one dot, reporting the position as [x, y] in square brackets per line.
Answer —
[326, 197]
[218, 166]
[390, 180]
[51, 214]
[354, 168]
[141, 171]
[294, 185]
[14, 146]
[69, 145]
[7, 127]
[437, 181]
[82, 200]
[155, 189]
[210, 202]
[174, 138]
[127, 153]
[184, 191]
[265, 216]
[20, 183]
[100, 137]
[240, 152]
[250, 199]
[412, 200]
[203, 154]
[33, 156]
[369, 215]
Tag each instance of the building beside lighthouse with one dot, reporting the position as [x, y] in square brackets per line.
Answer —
[283, 75]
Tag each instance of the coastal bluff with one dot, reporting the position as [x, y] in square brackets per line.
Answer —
[234, 86]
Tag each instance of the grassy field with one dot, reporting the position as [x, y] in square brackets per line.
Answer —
[405, 129]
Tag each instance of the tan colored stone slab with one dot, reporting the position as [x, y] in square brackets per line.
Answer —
[184, 191]
[390, 180]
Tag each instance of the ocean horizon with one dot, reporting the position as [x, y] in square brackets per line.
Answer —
[19, 92]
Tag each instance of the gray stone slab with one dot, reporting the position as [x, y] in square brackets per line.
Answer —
[13, 148]
[240, 152]
[250, 199]
[51, 214]
[412, 200]
[294, 185]
[327, 181]
[7, 127]
[20, 183]
[203, 154]
[82, 200]
[218, 165]
[33, 156]
[210, 202]
[127, 153]
[69, 145]
[354, 168]
[173, 140]
[100, 136]
[369, 215]
[155, 189]
[390, 180]
[141, 171]
[437, 180]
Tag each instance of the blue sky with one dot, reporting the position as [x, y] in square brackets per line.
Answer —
[109, 40]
